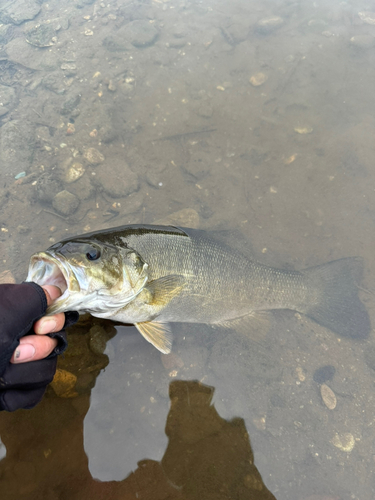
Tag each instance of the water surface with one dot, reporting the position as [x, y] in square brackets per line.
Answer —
[252, 116]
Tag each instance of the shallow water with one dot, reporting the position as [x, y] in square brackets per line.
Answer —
[162, 90]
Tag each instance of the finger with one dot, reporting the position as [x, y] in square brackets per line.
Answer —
[52, 293]
[49, 324]
[32, 348]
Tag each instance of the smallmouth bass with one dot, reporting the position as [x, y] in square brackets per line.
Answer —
[152, 276]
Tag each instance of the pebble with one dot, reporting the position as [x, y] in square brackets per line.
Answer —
[70, 129]
[303, 130]
[367, 17]
[93, 156]
[65, 203]
[300, 374]
[260, 423]
[258, 79]
[290, 160]
[328, 397]
[344, 441]
[363, 41]
[111, 86]
[267, 25]
[74, 173]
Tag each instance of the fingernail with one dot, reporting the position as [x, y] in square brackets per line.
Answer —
[24, 352]
[46, 326]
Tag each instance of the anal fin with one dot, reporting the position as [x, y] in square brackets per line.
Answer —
[255, 325]
[158, 334]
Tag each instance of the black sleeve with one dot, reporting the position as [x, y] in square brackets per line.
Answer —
[23, 385]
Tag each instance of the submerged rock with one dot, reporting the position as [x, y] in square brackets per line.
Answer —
[7, 99]
[17, 143]
[139, 33]
[19, 11]
[65, 203]
[21, 52]
[118, 180]
[47, 187]
[115, 43]
[93, 156]
[82, 188]
[235, 33]
[187, 217]
[42, 35]
[4, 30]
[70, 104]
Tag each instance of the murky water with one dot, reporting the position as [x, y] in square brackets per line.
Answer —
[248, 115]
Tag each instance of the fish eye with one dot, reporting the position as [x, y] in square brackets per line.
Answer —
[93, 253]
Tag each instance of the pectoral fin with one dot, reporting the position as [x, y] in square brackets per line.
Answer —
[164, 289]
[158, 334]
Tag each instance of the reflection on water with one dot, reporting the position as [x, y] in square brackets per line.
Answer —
[251, 115]
[206, 457]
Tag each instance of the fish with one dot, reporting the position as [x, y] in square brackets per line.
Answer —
[152, 276]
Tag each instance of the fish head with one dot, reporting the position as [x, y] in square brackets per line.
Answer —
[93, 276]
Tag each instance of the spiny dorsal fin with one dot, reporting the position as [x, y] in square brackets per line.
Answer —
[158, 334]
[164, 289]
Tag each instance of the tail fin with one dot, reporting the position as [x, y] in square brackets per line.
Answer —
[338, 307]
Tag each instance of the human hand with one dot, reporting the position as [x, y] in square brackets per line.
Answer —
[39, 346]
[22, 385]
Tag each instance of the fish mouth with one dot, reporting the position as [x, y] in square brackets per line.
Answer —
[45, 269]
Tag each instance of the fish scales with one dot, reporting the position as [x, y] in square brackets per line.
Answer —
[220, 283]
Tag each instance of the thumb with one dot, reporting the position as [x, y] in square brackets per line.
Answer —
[52, 292]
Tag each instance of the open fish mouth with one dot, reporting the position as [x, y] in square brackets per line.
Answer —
[44, 269]
[79, 291]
